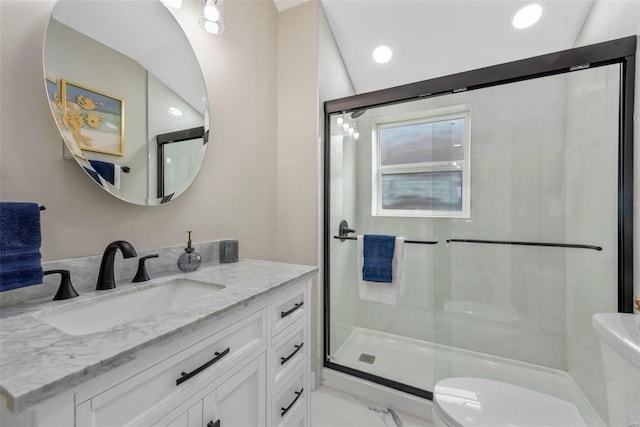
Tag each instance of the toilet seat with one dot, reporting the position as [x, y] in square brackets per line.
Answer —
[475, 402]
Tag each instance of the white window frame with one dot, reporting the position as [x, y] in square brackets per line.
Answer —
[420, 117]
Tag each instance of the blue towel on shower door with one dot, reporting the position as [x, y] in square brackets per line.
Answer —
[20, 241]
[377, 255]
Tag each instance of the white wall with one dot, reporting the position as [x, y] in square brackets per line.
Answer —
[235, 195]
[297, 133]
[297, 148]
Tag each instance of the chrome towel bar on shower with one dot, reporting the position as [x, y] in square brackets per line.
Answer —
[509, 242]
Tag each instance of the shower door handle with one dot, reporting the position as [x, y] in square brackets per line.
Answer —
[344, 230]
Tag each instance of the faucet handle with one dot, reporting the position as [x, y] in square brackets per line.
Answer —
[66, 289]
[141, 274]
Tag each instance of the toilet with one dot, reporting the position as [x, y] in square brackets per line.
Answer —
[475, 402]
[619, 336]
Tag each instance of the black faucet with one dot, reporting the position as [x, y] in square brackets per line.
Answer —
[106, 279]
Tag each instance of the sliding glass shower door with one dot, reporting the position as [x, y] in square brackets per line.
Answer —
[509, 199]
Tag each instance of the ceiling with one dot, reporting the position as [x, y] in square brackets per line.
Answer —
[429, 38]
[432, 38]
[287, 4]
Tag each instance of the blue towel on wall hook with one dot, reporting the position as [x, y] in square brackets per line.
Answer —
[20, 240]
[377, 254]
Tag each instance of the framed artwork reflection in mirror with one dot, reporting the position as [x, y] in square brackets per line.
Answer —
[95, 119]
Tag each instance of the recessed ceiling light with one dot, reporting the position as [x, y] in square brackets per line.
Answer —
[382, 54]
[527, 15]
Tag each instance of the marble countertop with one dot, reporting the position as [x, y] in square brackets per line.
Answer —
[38, 361]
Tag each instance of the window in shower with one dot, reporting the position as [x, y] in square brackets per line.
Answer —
[421, 164]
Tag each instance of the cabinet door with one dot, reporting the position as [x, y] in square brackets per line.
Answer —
[147, 390]
[290, 400]
[191, 418]
[239, 401]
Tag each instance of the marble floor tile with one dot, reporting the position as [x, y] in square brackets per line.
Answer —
[332, 408]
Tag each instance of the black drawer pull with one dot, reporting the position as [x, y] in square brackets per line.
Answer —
[284, 360]
[295, 307]
[185, 376]
[212, 424]
[285, 410]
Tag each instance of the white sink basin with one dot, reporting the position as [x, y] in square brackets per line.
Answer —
[110, 311]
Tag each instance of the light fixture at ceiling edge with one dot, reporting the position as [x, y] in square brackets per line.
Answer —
[212, 20]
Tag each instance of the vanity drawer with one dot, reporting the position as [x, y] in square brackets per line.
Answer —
[297, 418]
[175, 376]
[290, 399]
[289, 308]
[289, 351]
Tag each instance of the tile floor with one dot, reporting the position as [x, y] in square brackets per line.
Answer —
[332, 408]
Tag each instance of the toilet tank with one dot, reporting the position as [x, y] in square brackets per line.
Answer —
[619, 335]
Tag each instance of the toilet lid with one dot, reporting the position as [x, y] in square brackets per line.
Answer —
[467, 402]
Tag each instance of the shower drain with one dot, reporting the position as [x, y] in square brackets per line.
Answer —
[367, 358]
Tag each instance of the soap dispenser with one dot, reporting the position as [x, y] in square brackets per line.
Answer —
[190, 260]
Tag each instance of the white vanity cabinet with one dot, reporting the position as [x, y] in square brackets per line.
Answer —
[148, 394]
[238, 399]
[247, 368]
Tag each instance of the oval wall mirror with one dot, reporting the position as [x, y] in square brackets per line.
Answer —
[128, 96]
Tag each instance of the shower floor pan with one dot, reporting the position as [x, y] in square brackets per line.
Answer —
[415, 362]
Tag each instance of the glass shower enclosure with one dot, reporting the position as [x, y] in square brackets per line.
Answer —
[512, 189]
